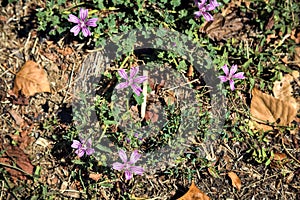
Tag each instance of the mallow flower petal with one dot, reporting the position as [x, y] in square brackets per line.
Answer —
[231, 83]
[128, 175]
[76, 144]
[134, 157]
[89, 151]
[232, 70]
[137, 170]
[223, 78]
[86, 32]
[75, 30]
[122, 85]
[80, 152]
[133, 72]
[91, 22]
[225, 70]
[118, 166]
[123, 155]
[136, 89]
[207, 16]
[197, 14]
[239, 75]
[73, 18]
[140, 79]
[83, 13]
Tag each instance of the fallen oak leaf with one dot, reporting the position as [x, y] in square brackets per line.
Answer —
[283, 90]
[235, 180]
[194, 193]
[31, 79]
[266, 109]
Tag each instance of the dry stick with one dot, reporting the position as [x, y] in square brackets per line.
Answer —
[293, 157]
[182, 84]
[69, 83]
[16, 168]
[144, 104]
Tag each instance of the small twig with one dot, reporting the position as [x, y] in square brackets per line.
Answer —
[69, 83]
[196, 80]
[2, 190]
[144, 104]
[284, 147]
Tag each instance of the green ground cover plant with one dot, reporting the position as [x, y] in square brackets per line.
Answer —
[148, 97]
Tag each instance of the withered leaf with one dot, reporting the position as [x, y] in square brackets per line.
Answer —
[194, 193]
[235, 180]
[267, 109]
[31, 79]
[222, 28]
[17, 155]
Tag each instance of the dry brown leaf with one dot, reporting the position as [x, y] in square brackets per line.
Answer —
[150, 115]
[17, 155]
[169, 97]
[194, 193]
[295, 35]
[190, 71]
[66, 51]
[283, 90]
[17, 117]
[270, 37]
[235, 180]
[297, 56]
[279, 156]
[95, 177]
[270, 23]
[222, 28]
[267, 109]
[31, 79]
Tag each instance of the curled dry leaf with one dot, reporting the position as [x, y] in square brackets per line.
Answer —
[266, 109]
[194, 193]
[31, 79]
[235, 180]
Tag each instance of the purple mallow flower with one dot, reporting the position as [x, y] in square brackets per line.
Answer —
[128, 166]
[83, 147]
[204, 8]
[230, 75]
[132, 80]
[82, 23]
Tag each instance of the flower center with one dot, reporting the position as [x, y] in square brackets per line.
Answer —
[82, 24]
[127, 166]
